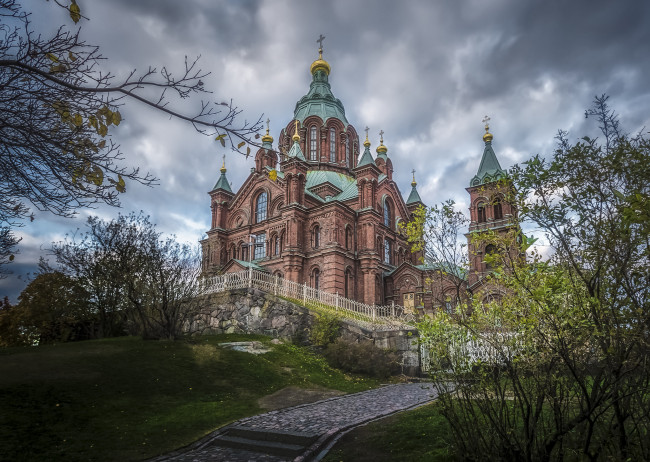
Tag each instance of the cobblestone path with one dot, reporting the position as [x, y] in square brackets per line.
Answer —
[323, 419]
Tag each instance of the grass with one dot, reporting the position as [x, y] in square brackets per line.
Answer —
[129, 399]
[418, 435]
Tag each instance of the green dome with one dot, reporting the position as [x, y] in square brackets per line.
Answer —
[320, 101]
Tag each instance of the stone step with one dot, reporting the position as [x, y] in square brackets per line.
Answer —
[278, 436]
[266, 447]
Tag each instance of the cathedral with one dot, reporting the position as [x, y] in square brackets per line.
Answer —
[320, 209]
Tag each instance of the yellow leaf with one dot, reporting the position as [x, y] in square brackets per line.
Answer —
[248, 151]
[11, 258]
[78, 120]
[102, 130]
[98, 177]
[273, 175]
[71, 56]
[93, 121]
[75, 12]
[121, 185]
[220, 137]
[117, 118]
[53, 58]
[241, 145]
[102, 144]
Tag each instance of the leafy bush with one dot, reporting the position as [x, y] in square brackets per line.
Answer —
[325, 330]
[363, 357]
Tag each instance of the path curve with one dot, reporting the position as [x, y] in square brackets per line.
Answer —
[317, 424]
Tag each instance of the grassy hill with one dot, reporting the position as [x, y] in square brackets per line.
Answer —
[129, 399]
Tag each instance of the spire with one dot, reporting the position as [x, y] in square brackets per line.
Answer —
[366, 158]
[489, 170]
[320, 64]
[414, 197]
[267, 140]
[295, 150]
[222, 182]
[381, 149]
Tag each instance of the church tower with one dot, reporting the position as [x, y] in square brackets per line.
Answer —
[489, 210]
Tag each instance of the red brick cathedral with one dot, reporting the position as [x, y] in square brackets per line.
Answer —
[320, 209]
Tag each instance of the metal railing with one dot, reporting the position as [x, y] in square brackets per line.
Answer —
[372, 317]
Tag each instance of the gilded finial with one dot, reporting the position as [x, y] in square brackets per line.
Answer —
[296, 136]
[267, 138]
[367, 142]
[223, 164]
[488, 136]
[413, 183]
[381, 148]
[320, 63]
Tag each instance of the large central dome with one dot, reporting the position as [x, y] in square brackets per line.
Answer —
[319, 100]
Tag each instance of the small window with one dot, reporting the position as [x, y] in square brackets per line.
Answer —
[332, 145]
[481, 213]
[260, 207]
[313, 144]
[276, 246]
[316, 279]
[260, 247]
[387, 217]
[316, 238]
[348, 238]
[244, 252]
[498, 210]
[387, 251]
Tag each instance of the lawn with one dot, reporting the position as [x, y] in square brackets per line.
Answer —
[418, 435]
[129, 399]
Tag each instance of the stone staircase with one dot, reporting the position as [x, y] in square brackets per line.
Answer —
[276, 442]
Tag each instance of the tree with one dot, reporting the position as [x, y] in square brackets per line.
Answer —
[56, 109]
[52, 308]
[139, 282]
[438, 232]
[563, 366]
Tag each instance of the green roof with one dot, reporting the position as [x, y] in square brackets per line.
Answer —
[248, 264]
[366, 158]
[345, 183]
[489, 170]
[414, 197]
[320, 101]
[222, 182]
[295, 151]
[445, 267]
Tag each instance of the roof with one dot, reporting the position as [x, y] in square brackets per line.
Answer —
[489, 170]
[222, 182]
[414, 197]
[346, 184]
[445, 267]
[320, 101]
[366, 158]
[295, 151]
[248, 264]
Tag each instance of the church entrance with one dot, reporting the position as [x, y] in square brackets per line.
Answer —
[409, 302]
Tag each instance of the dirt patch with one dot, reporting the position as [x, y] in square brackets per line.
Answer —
[292, 396]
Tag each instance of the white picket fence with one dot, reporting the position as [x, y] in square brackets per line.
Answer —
[373, 317]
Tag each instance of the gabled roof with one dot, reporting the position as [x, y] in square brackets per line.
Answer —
[489, 170]
[414, 197]
[346, 184]
[222, 182]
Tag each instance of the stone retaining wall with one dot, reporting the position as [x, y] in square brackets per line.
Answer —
[252, 311]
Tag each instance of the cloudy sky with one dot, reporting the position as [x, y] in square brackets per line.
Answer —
[424, 72]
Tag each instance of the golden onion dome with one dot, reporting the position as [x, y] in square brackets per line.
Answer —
[223, 165]
[267, 138]
[488, 137]
[320, 64]
[381, 148]
[296, 136]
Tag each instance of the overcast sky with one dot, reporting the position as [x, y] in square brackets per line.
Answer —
[424, 72]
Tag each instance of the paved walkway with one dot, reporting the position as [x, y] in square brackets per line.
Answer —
[325, 420]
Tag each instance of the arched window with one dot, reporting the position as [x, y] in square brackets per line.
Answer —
[348, 238]
[316, 236]
[332, 145]
[233, 251]
[498, 209]
[313, 144]
[260, 207]
[481, 212]
[490, 249]
[387, 217]
[315, 279]
[387, 251]
[244, 251]
[347, 152]
[276, 246]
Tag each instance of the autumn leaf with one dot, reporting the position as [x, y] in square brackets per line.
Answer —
[121, 185]
[117, 118]
[241, 145]
[75, 12]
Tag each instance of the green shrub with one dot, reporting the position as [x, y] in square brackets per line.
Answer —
[363, 357]
[325, 330]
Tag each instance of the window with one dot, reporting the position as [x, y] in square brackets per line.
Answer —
[347, 152]
[348, 238]
[387, 213]
[260, 247]
[386, 251]
[348, 283]
[489, 250]
[498, 210]
[316, 237]
[276, 246]
[315, 280]
[313, 143]
[244, 252]
[260, 207]
[332, 145]
[481, 213]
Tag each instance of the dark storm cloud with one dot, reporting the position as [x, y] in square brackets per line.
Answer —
[424, 72]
